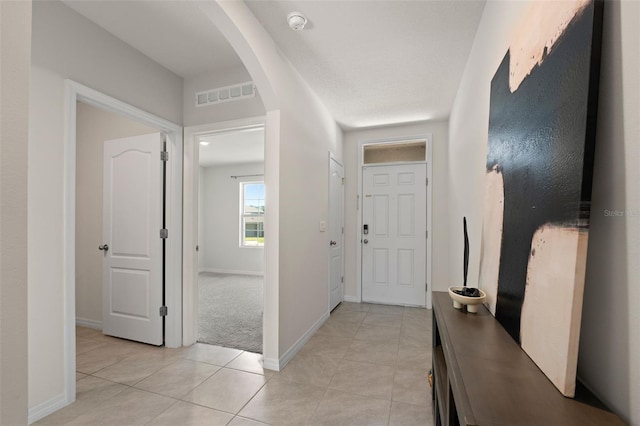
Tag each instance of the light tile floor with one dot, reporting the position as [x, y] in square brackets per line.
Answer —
[367, 365]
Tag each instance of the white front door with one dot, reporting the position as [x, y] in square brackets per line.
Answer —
[394, 218]
[336, 229]
[132, 280]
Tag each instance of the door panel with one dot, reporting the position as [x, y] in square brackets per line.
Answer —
[381, 179]
[132, 219]
[129, 289]
[381, 267]
[336, 215]
[129, 210]
[381, 215]
[406, 179]
[405, 267]
[394, 249]
[406, 215]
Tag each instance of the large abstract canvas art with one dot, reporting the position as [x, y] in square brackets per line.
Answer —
[538, 182]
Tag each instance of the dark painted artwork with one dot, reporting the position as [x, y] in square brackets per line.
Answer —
[538, 183]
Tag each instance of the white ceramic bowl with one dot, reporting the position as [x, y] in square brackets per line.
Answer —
[471, 302]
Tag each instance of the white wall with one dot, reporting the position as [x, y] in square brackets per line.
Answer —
[440, 222]
[468, 129]
[610, 338]
[94, 126]
[219, 231]
[305, 142]
[15, 47]
[248, 107]
[299, 133]
[66, 45]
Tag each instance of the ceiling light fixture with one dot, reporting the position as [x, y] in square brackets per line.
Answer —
[296, 21]
[204, 143]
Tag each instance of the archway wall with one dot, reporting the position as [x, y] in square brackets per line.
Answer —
[300, 133]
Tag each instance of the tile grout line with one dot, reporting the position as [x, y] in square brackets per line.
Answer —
[178, 398]
[326, 391]
[135, 383]
[178, 358]
[207, 407]
[405, 320]
[251, 399]
[202, 383]
[162, 412]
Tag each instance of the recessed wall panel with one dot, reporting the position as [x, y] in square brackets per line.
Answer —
[381, 179]
[130, 192]
[406, 215]
[381, 267]
[406, 178]
[405, 268]
[381, 215]
[129, 293]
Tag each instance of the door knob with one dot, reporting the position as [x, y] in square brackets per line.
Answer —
[365, 241]
[103, 247]
[332, 243]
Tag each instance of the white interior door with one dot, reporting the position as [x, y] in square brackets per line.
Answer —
[394, 218]
[133, 248]
[336, 230]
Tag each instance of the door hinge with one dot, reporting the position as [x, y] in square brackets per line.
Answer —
[163, 311]
[426, 287]
[343, 181]
[164, 233]
[341, 279]
[342, 231]
[427, 181]
[426, 234]
[164, 156]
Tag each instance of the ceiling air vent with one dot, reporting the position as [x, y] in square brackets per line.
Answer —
[226, 94]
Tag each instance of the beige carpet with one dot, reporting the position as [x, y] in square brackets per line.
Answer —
[230, 311]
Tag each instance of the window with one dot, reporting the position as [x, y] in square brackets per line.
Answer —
[252, 214]
[395, 152]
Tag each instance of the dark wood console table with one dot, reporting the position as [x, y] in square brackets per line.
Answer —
[481, 376]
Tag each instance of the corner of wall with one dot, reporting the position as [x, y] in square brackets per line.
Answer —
[45, 408]
[15, 53]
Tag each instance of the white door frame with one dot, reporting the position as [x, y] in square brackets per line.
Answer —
[75, 92]
[332, 157]
[190, 236]
[428, 138]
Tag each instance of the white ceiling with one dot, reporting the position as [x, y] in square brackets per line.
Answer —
[370, 62]
[378, 62]
[244, 146]
[173, 33]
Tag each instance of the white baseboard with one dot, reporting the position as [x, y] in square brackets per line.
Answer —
[353, 299]
[83, 322]
[278, 365]
[231, 271]
[43, 409]
[271, 364]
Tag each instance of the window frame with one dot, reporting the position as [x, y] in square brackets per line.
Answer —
[243, 215]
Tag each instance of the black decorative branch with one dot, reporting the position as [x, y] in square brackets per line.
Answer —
[466, 250]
